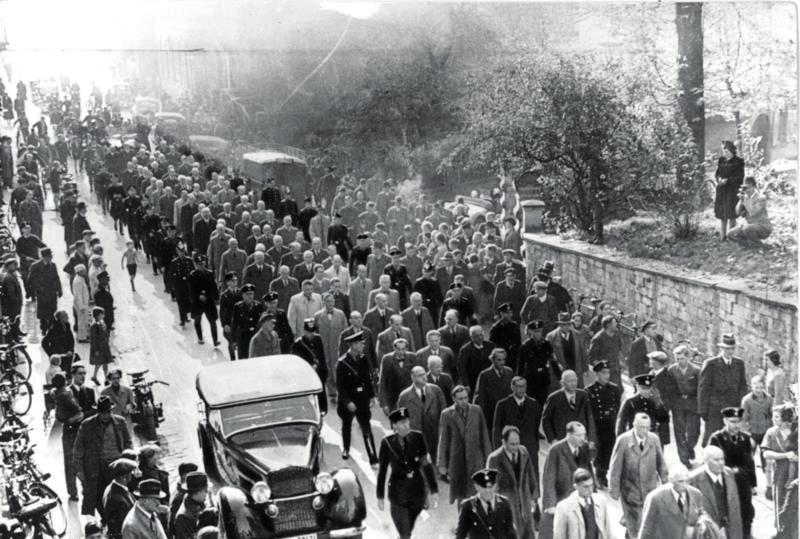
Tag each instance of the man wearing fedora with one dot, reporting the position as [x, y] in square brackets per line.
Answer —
[101, 439]
[568, 347]
[194, 503]
[117, 499]
[638, 362]
[722, 383]
[143, 521]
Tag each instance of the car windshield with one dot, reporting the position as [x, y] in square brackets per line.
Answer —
[263, 413]
[278, 447]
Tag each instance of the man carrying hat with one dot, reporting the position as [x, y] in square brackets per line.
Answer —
[644, 401]
[194, 503]
[486, 515]
[143, 521]
[605, 397]
[722, 383]
[406, 453]
[101, 439]
[737, 448]
[117, 499]
[505, 333]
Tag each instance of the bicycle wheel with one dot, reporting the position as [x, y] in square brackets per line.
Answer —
[57, 516]
[21, 392]
[21, 361]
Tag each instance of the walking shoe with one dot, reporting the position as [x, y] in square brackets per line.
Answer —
[95, 380]
[345, 454]
[216, 343]
[200, 341]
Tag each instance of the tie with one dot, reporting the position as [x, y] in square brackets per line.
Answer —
[489, 510]
[396, 334]
[422, 395]
[641, 446]
[680, 502]
[575, 452]
[152, 522]
[572, 402]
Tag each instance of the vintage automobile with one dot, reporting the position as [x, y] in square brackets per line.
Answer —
[146, 106]
[286, 164]
[259, 433]
[214, 147]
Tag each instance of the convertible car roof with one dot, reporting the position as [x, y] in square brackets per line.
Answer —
[257, 378]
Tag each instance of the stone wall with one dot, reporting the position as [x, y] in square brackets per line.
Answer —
[686, 305]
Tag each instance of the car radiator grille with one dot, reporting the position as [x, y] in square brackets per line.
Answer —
[295, 516]
[291, 481]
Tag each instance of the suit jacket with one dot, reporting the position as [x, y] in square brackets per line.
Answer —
[424, 416]
[446, 355]
[376, 323]
[557, 413]
[419, 330]
[138, 525]
[456, 339]
[719, 385]
[117, 502]
[329, 331]
[386, 339]
[359, 294]
[520, 486]
[581, 359]
[394, 378]
[686, 397]
[637, 357]
[301, 308]
[471, 362]
[443, 382]
[526, 418]
[301, 272]
[559, 465]
[393, 297]
[634, 472]
[701, 481]
[285, 292]
[490, 388]
[662, 517]
[568, 522]
[463, 448]
[260, 279]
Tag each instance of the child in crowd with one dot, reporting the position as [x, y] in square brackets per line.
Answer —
[130, 260]
[53, 369]
[99, 345]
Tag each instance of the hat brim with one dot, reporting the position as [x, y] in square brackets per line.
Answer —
[158, 496]
[726, 345]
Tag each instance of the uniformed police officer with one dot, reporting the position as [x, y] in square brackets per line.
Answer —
[457, 301]
[605, 397]
[535, 363]
[487, 515]
[309, 347]
[505, 334]
[282, 327]
[642, 401]
[355, 395]
[398, 275]
[227, 301]
[180, 268]
[737, 447]
[204, 295]
[244, 324]
[167, 250]
[405, 451]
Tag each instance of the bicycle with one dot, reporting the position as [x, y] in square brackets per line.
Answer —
[13, 355]
[16, 396]
[587, 309]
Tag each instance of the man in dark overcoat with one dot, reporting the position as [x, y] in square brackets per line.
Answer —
[605, 397]
[536, 364]
[505, 333]
[117, 499]
[523, 412]
[473, 358]
[566, 405]
[722, 383]
[493, 385]
[93, 453]
[45, 288]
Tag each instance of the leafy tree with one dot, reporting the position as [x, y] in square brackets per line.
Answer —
[590, 126]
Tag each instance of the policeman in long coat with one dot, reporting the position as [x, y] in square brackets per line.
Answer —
[310, 347]
[406, 453]
[244, 322]
[722, 383]
[535, 363]
[203, 295]
[643, 401]
[510, 291]
[339, 236]
[487, 515]
[181, 268]
[282, 327]
[227, 301]
[398, 274]
[737, 447]
[355, 395]
[505, 333]
[428, 286]
[45, 288]
[605, 397]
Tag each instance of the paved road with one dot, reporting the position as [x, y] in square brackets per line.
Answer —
[148, 336]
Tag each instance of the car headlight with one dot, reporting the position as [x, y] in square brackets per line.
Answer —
[261, 493]
[323, 483]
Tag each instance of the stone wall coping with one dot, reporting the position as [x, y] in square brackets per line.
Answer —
[664, 269]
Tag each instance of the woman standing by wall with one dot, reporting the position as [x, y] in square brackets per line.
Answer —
[730, 175]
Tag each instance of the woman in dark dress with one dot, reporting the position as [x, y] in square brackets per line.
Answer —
[730, 175]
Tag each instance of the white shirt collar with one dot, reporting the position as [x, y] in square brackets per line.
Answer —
[714, 477]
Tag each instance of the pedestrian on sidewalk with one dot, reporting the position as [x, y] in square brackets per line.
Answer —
[130, 260]
[104, 299]
[99, 345]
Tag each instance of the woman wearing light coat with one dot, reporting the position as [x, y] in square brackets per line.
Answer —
[80, 302]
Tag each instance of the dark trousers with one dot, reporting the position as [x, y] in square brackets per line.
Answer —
[404, 517]
[243, 347]
[366, 430]
[231, 347]
[67, 441]
[686, 423]
[198, 327]
[713, 423]
[606, 438]
[183, 297]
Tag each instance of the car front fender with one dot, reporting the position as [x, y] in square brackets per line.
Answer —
[345, 504]
[237, 520]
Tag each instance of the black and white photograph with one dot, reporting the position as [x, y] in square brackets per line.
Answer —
[309, 269]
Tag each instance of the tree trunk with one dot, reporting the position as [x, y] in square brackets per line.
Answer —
[689, 25]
